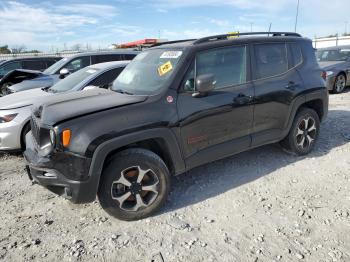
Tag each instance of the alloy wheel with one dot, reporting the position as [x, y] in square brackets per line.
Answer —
[306, 133]
[135, 189]
[340, 83]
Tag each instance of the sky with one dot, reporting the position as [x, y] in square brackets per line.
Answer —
[57, 25]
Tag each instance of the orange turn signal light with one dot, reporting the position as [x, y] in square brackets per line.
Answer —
[66, 134]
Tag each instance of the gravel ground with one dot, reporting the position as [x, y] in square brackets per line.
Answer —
[261, 205]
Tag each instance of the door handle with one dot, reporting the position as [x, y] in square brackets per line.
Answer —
[242, 99]
[292, 85]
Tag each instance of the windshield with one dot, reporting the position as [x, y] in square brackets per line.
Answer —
[56, 66]
[148, 72]
[74, 79]
[333, 55]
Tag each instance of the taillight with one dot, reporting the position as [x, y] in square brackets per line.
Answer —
[324, 75]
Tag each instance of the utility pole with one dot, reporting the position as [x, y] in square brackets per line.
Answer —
[346, 28]
[158, 34]
[296, 18]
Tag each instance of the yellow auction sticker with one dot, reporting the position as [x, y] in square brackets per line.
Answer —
[165, 68]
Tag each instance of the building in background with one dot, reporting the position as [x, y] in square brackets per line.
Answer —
[148, 42]
[331, 41]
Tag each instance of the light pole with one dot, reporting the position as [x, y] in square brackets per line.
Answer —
[346, 27]
[251, 26]
[296, 18]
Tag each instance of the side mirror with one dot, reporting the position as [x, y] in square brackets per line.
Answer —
[64, 72]
[204, 84]
[90, 87]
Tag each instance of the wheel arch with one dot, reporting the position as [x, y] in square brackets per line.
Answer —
[161, 141]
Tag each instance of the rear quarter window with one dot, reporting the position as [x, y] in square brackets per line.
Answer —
[296, 55]
[270, 60]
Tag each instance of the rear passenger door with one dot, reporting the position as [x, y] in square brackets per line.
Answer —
[276, 82]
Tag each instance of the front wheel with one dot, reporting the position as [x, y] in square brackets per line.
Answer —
[303, 133]
[134, 184]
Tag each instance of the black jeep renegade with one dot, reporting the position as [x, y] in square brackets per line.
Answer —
[176, 106]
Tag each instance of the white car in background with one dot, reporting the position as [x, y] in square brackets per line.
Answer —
[15, 109]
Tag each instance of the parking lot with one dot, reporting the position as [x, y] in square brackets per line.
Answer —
[261, 205]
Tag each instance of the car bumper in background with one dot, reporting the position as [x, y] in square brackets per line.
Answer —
[10, 133]
[330, 82]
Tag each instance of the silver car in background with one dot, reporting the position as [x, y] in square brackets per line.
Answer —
[335, 61]
[15, 109]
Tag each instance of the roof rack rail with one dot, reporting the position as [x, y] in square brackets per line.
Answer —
[173, 42]
[226, 36]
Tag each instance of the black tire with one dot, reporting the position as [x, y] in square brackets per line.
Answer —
[130, 164]
[308, 122]
[25, 131]
[339, 84]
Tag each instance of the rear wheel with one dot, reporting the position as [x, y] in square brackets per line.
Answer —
[134, 184]
[339, 84]
[303, 133]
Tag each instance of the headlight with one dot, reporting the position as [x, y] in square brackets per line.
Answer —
[7, 118]
[48, 144]
[329, 73]
[52, 137]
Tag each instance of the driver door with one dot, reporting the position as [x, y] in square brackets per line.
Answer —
[220, 123]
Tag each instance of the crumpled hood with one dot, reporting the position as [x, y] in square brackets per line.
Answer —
[23, 73]
[327, 65]
[22, 99]
[63, 107]
[41, 80]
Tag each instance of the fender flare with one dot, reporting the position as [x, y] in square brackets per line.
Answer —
[105, 148]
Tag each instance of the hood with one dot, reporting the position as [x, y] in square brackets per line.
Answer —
[63, 107]
[22, 99]
[41, 80]
[326, 65]
[18, 75]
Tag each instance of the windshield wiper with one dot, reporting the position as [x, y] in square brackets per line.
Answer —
[122, 92]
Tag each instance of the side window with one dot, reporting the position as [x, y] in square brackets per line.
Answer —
[228, 65]
[129, 56]
[9, 67]
[34, 65]
[105, 58]
[106, 78]
[270, 60]
[78, 64]
[297, 57]
[50, 63]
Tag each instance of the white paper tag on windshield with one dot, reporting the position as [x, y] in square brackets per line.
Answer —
[91, 71]
[171, 54]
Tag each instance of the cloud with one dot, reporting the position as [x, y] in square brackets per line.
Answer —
[220, 22]
[38, 26]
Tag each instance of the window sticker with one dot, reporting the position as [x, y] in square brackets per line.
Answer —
[171, 54]
[165, 68]
[91, 71]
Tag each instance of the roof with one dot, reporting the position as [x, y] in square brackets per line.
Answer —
[113, 64]
[232, 38]
[31, 58]
[105, 53]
